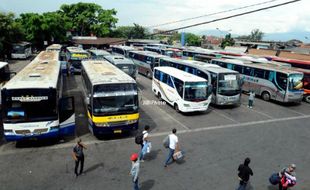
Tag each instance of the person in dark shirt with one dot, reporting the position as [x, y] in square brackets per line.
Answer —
[244, 174]
[78, 156]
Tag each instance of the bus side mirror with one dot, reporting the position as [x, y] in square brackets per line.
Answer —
[87, 100]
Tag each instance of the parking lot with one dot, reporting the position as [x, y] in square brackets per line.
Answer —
[215, 143]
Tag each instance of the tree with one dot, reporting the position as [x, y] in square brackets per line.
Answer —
[227, 41]
[256, 35]
[131, 32]
[89, 18]
[190, 39]
[10, 31]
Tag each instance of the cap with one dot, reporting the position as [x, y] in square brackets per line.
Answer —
[134, 157]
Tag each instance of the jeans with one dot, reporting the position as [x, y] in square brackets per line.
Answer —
[282, 188]
[250, 103]
[170, 156]
[242, 185]
[135, 184]
[77, 162]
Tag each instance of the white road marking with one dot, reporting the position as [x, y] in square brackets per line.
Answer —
[223, 115]
[91, 142]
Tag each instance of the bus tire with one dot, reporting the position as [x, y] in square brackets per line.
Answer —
[176, 107]
[307, 98]
[266, 96]
[159, 96]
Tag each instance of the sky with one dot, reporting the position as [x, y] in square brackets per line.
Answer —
[292, 18]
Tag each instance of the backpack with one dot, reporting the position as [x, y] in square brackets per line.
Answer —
[139, 138]
[166, 142]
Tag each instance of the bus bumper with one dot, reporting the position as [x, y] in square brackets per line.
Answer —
[114, 130]
[17, 137]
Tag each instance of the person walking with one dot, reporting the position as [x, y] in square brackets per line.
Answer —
[145, 142]
[173, 146]
[288, 177]
[134, 172]
[244, 174]
[251, 98]
[78, 156]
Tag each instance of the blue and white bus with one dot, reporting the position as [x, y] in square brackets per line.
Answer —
[269, 81]
[32, 103]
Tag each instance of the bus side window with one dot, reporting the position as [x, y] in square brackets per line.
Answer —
[247, 71]
[179, 86]
[157, 74]
[238, 68]
[169, 81]
[229, 66]
[271, 76]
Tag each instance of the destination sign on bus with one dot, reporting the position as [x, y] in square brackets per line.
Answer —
[30, 98]
[230, 77]
[79, 55]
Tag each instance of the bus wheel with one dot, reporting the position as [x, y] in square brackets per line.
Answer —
[307, 98]
[176, 107]
[159, 96]
[266, 96]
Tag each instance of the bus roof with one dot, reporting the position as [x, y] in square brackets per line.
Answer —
[304, 62]
[99, 52]
[42, 72]
[73, 49]
[103, 72]
[54, 47]
[201, 65]
[181, 75]
[22, 43]
[128, 48]
[3, 64]
[148, 53]
[266, 66]
[116, 59]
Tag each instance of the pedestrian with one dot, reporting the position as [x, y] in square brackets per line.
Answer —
[251, 98]
[244, 174]
[134, 172]
[78, 156]
[288, 177]
[173, 146]
[145, 142]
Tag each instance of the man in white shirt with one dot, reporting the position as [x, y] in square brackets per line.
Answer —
[173, 145]
[145, 141]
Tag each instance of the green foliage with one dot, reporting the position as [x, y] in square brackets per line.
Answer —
[190, 39]
[227, 41]
[256, 35]
[130, 32]
[89, 18]
[10, 31]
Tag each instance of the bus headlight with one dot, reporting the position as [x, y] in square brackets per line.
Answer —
[104, 124]
[132, 121]
[186, 105]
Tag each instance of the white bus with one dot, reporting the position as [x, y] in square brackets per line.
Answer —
[98, 53]
[54, 47]
[74, 57]
[124, 64]
[5, 75]
[21, 50]
[111, 97]
[145, 61]
[32, 102]
[184, 91]
[269, 81]
[225, 83]
[190, 53]
[122, 50]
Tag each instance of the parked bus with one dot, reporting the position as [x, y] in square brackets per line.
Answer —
[111, 97]
[170, 52]
[74, 57]
[225, 83]
[184, 91]
[54, 47]
[5, 75]
[32, 102]
[124, 64]
[267, 80]
[21, 50]
[122, 50]
[145, 61]
[189, 54]
[98, 53]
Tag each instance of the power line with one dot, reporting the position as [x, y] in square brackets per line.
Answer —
[211, 14]
[228, 17]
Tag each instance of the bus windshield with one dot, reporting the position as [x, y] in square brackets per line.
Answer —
[195, 91]
[18, 49]
[228, 84]
[115, 105]
[29, 105]
[127, 68]
[295, 82]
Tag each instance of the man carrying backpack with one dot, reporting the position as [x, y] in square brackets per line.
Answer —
[173, 145]
[288, 177]
[143, 140]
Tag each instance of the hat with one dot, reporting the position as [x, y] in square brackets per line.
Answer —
[134, 157]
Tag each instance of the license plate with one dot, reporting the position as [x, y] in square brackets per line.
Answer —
[117, 131]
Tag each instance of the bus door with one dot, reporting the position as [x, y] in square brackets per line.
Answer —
[66, 116]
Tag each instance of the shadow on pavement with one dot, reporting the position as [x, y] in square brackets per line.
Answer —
[94, 167]
[152, 155]
[148, 184]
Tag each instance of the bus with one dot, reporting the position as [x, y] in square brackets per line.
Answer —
[98, 53]
[54, 47]
[21, 50]
[145, 61]
[5, 75]
[122, 50]
[33, 106]
[124, 64]
[184, 91]
[170, 52]
[189, 54]
[267, 80]
[224, 83]
[74, 56]
[111, 97]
